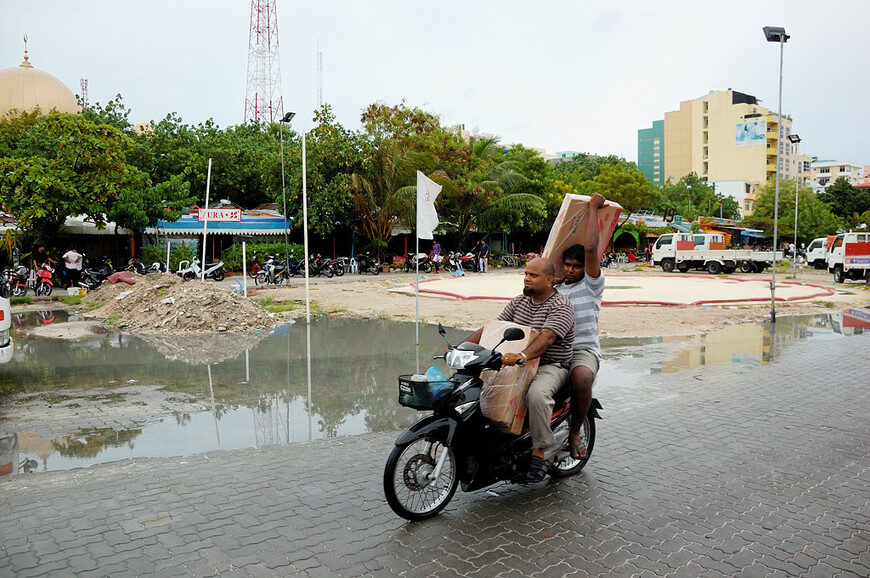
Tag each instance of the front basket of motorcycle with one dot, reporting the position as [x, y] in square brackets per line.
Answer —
[422, 393]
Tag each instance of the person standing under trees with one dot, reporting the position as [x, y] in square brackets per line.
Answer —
[583, 286]
[435, 256]
[73, 263]
[484, 255]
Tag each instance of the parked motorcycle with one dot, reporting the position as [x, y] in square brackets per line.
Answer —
[412, 261]
[93, 277]
[368, 264]
[338, 266]
[272, 273]
[458, 444]
[470, 263]
[44, 281]
[17, 277]
[139, 267]
[193, 270]
[317, 265]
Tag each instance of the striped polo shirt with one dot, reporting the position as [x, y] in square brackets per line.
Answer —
[585, 296]
[555, 314]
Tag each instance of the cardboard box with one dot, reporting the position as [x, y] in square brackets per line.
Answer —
[502, 398]
[569, 228]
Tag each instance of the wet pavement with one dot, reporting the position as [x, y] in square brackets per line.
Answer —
[755, 467]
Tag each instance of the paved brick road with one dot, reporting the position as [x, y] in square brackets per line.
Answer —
[714, 471]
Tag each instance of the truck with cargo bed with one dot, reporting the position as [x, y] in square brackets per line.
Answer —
[685, 251]
[849, 257]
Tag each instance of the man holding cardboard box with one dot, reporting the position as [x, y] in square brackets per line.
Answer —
[583, 286]
[544, 309]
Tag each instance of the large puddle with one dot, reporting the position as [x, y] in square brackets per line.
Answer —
[68, 404]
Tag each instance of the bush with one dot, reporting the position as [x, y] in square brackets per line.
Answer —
[157, 254]
[232, 255]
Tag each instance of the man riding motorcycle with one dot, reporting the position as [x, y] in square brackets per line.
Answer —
[544, 309]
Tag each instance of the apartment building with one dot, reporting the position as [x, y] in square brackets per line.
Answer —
[823, 173]
[724, 137]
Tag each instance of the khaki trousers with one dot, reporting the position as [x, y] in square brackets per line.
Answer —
[539, 400]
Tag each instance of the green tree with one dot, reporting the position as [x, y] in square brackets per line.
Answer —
[815, 218]
[691, 197]
[846, 201]
[624, 184]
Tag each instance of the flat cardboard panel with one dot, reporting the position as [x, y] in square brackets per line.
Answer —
[569, 228]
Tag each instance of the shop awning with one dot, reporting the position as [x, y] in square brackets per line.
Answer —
[188, 225]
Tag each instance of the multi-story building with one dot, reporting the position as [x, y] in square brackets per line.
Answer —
[823, 173]
[724, 137]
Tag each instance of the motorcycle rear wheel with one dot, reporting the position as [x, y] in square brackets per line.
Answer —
[219, 275]
[409, 493]
[569, 466]
[338, 270]
[375, 270]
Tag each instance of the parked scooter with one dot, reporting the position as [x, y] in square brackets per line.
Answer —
[93, 277]
[138, 267]
[193, 271]
[412, 261]
[368, 264]
[317, 265]
[17, 277]
[272, 273]
[458, 444]
[338, 265]
[44, 281]
[470, 263]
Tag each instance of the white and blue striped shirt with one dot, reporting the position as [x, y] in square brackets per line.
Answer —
[585, 297]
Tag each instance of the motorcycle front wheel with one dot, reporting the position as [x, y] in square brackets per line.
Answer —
[43, 289]
[569, 466]
[409, 491]
[189, 276]
[19, 290]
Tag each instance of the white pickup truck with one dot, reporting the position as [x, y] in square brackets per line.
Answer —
[849, 257]
[817, 253]
[5, 323]
[684, 251]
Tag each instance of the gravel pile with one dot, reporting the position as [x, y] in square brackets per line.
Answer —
[161, 303]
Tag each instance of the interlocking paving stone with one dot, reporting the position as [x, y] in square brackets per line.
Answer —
[715, 470]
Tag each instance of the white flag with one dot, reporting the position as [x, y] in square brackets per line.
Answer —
[427, 218]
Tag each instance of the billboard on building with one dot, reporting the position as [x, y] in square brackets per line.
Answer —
[751, 133]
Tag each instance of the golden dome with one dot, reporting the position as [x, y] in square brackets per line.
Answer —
[24, 88]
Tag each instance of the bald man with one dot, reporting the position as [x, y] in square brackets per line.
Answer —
[543, 308]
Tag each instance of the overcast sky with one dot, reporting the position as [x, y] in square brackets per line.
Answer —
[579, 75]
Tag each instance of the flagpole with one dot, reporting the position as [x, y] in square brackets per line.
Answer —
[417, 296]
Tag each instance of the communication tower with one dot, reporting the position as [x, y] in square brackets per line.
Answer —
[84, 92]
[319, 76]
[264, 100]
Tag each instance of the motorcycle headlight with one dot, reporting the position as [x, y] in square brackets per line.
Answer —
[458, 358]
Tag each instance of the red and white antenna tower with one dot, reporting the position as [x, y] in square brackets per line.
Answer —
[84, 82]
[264, 100]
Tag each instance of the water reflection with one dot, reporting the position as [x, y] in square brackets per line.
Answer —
[117, 396]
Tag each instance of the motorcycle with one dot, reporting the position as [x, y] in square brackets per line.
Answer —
[272, 273]
[193, 270]
[609, 260]
[457, 444]
[138, 267]
[421, 259]
[317, 265]
[338, 266]
[44, 281]
[470, 262]
[17, 277]
[368, 264]
[93, 277]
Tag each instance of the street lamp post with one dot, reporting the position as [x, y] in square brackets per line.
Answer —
[776, 34]
[795, 139]
[287, 118]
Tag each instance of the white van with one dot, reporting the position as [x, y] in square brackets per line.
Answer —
[816, 253]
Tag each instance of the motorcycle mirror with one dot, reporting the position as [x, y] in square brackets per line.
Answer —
[443, 334]
[513, 334]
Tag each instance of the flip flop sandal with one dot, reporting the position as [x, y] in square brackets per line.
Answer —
[538, 469]
[579, 449]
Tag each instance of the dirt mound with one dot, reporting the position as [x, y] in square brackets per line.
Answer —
[161, 303]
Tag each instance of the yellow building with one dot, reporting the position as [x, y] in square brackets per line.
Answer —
[726, 137]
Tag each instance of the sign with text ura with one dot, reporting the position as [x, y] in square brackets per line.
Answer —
[223, 215]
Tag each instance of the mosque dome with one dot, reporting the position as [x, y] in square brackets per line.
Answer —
[24, 88]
